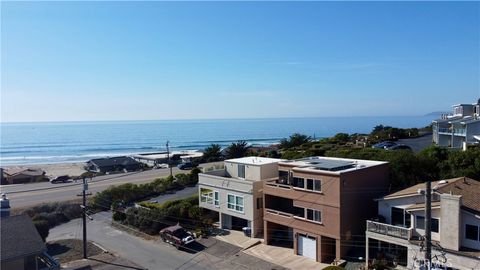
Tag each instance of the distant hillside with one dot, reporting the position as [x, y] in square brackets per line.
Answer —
[437, 114]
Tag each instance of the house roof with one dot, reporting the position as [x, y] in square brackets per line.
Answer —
[22, 170]
[254, 160]
[468, 188]
[106, 162]
[19, 238]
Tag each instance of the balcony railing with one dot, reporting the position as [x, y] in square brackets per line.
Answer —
[277, 183]
[278, 213]
[390, 230]
[444, 130]
[460, 131]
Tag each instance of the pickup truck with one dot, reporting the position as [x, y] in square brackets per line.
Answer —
[177, 236]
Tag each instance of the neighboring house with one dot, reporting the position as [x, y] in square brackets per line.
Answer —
[113, 164]
[152, 159]
[318, 205]
[458, 129]
[19, 175]
[398, 232]
[22, 247]
[235, 192]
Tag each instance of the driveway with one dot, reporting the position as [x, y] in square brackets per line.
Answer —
[207, 253]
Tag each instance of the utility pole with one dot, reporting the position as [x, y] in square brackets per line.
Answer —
[84, 216]
[428, 224]
[168, 160]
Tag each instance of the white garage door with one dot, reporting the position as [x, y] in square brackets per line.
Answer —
[307, 247]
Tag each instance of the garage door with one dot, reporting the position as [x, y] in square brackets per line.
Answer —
[307, 247]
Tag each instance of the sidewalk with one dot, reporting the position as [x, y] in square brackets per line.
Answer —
[237, 238]
[284, 257]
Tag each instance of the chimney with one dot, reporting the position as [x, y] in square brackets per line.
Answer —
[450, 221]
[4, 206]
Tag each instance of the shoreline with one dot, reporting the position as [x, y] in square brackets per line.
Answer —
[54, 169]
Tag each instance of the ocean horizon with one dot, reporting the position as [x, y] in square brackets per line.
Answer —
[25, 143]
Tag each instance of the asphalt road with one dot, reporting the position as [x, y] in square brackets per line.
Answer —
[146, 253]
[35, 193]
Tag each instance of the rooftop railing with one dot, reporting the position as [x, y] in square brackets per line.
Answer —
[390, 230]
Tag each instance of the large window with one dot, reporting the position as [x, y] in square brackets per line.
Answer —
[241, 171]
[283, 176]
[298, 182]
[471, 232]
[235, 202]
[314, 184]
[420, 221]
[206, 195]
[314, 215]
[216, 198]
[308, 214]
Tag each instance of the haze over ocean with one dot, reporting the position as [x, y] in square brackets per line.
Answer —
[58, 142]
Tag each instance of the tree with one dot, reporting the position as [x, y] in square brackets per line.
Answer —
[294, 140]
[42, 228]
[212, 153]
[237, 150]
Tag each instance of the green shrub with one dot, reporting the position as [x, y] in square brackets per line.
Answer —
[119, 216]
[42, 227]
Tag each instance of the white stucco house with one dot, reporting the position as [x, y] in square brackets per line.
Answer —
[458, 129]
[397, 234]
[235, 192]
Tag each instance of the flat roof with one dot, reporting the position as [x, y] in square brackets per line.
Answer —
[331, 164]
[254, 160]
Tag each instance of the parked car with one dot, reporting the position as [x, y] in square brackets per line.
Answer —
[161, 166]
[384, 145]
[399, 147]
[186, 166]
[60, 179]
[177, 236]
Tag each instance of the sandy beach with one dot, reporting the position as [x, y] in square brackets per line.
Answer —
[56, 169]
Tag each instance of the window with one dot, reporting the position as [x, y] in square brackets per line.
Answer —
[310, 184]
[283, 176]
[420, 221]
[259, 203]
[471, 232]
[216, 198]
[298, 182]
[314, 215]
[206, 195]
[317, 185]
[241, 171]
[398, 216]
[314, 184]
[235, 202]
[435, 225]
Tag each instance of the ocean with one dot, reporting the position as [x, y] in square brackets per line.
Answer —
[59, 142]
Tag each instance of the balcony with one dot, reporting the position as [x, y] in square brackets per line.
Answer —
[390, 230]
[445, 131]
[460, 132]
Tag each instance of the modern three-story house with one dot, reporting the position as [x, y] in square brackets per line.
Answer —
[397, 234]
[460, 128]
[318, 206]
[235, 192]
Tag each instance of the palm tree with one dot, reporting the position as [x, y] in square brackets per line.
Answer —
[237, 149]
[212, 153]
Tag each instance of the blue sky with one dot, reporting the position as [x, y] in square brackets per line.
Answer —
[63, 61]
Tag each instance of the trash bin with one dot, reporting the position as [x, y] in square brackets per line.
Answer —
[247, 231]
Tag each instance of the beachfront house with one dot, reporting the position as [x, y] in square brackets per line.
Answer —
[459, 129]
[113, 164]
[318, 206]
[234, 191]
[19, 175]
[396, 235]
